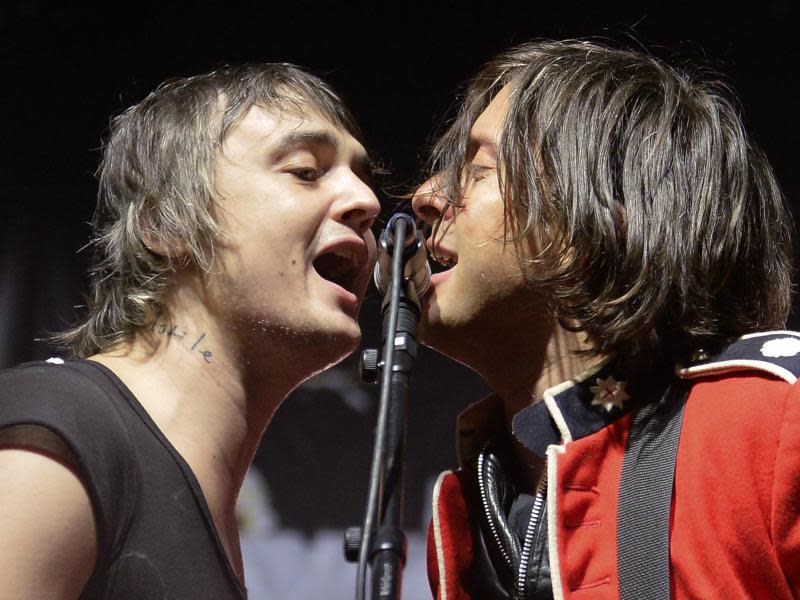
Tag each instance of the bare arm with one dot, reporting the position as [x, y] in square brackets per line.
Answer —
[47, 528]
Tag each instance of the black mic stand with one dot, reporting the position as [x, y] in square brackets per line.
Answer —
[381, 541]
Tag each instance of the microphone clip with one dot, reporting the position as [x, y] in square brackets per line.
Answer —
[417, 270]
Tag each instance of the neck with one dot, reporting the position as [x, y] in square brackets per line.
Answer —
[520, 375]
[209, 393]
[519, 369]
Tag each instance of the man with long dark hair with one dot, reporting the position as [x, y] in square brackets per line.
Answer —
[232, 251]
[615, 250]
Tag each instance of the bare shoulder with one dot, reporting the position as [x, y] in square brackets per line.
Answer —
[46, 518]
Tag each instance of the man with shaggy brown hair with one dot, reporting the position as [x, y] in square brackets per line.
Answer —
[232, 252]
[611, 240]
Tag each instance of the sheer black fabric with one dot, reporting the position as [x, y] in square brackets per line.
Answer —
[156, 537]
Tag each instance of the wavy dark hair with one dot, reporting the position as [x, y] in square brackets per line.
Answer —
[659, 226]
[156, 184]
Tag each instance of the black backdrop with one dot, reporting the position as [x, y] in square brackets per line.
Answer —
[65, 70]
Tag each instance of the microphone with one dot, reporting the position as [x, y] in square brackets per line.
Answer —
[417, 270]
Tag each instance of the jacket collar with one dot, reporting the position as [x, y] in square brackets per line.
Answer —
[580, 407]
[570, 410]
[574, 409]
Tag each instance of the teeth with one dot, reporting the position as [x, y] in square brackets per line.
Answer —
[339, 266]
[445, 261]
[346, 254]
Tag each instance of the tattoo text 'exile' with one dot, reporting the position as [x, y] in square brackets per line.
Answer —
[173, 331]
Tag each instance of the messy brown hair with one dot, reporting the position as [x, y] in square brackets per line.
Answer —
[658, 224]
[156, 184]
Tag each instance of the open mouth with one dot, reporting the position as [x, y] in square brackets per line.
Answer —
[443, 260]
[342, 266]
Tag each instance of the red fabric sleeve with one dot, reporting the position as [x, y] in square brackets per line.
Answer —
[786, 492]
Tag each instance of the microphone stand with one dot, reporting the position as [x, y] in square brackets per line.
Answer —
[381, 541]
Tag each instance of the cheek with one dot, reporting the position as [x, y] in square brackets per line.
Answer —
[478, 240]
[492, 263]
[481, 222]
[266, 250]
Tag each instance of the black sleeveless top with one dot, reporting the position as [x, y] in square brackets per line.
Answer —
[156, 538]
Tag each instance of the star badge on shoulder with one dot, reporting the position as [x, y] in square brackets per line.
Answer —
[609, 393]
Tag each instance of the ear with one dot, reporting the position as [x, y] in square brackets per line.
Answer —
[166, 246]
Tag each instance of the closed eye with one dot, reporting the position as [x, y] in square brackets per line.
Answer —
[307, 174]
[473, 173]
[479, 172]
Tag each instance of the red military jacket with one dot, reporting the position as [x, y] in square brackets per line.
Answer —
[734, 529]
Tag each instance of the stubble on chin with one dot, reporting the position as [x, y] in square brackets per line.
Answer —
[328, 344]
[433, 333]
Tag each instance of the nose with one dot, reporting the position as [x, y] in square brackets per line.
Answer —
[429, 202]
[359, 207]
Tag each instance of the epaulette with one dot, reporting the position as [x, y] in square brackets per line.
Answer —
[776, 352]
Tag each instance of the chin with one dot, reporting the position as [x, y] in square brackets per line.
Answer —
[340, 342]
[453, 333]
[434, 333]
[350, 342]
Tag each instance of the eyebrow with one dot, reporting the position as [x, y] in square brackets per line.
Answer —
[304, 139]
[299, 139]
[475, 143]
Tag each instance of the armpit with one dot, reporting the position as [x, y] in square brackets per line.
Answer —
[37, 438]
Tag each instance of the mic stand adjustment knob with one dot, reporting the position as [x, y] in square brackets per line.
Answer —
[368, 365]
[352, 544]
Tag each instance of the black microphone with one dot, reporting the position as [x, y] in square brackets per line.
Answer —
[417, 269]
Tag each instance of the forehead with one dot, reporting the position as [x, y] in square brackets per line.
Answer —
[274, 127]
[488, 126]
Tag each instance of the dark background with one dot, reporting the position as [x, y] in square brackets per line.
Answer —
[66, 70]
